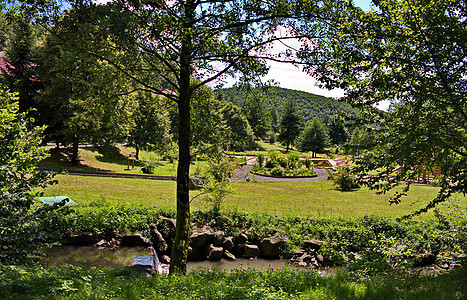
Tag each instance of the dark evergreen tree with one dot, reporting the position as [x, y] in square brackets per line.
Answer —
[273, 119]
[241, 135]
[20, 73]
[290, 124]
[254, 109]
[337, 131]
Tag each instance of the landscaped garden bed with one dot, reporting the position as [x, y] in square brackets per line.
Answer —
[280, 165]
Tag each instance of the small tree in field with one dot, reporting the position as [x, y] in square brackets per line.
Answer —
[313, 138]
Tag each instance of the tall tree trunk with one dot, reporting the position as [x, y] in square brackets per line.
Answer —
[179, 255]
[182, 231]
[136, 151]
[74, 150]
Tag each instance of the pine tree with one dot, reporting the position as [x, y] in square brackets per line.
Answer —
[313, 138]
[20, 74]
[290, 124]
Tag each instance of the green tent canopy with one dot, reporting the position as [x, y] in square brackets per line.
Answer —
[57, 199]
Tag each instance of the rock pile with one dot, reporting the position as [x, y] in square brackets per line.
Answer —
[309, 255]
[206, 244]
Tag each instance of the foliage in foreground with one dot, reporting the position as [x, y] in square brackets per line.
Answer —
[69, 282]
[23, 228]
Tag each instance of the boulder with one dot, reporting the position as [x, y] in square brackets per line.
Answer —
[239, 250]
[215, 253]
[251, 251]
[201, 238]
[306, 258]
[297, 253]
[193, 253]
[170, 221]
[228, 243]
[270, 247]
[242, 238]
[302, 264]
[229, 256]
[312, 244]
[165, 259]
[157, 239]
[218, 238]
[133, 240]
[320, 259]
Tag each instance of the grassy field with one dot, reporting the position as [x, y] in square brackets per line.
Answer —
[300, 198]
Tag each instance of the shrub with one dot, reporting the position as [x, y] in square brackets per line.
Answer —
[218, 173]
[149, 167]
[272, 137]
[260, 159]
[278, 171]
[344, 179]
[24, 228]
[308, 163]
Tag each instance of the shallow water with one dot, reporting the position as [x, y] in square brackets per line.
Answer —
[91, 256]
[240, 263]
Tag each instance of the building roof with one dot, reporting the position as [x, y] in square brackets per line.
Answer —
[3, 61]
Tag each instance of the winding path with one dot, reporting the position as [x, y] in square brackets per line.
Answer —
[243, 174]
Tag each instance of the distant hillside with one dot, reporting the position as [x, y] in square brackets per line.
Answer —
[310, 105]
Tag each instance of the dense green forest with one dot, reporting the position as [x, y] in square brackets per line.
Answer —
[310, 105]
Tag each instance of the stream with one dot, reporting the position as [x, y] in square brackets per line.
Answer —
[92, 256]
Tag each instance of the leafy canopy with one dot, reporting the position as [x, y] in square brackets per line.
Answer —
[413, 53]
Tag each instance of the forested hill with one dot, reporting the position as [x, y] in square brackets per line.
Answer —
[310, 105]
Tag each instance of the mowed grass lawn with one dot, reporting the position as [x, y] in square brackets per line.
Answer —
[298, 198]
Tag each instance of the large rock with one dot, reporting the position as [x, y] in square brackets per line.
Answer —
[170, 221]
[131, 240]
[242, 238]
[312, 244]
[215, 253]
[218, 238]
[229, 256]
[270, 247]
[251, 251]
[228, 243]
[157, 239]
[201, 238]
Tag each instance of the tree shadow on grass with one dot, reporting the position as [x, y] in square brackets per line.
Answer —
[60, 158]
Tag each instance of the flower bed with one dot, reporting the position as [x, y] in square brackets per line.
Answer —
[280, 165]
